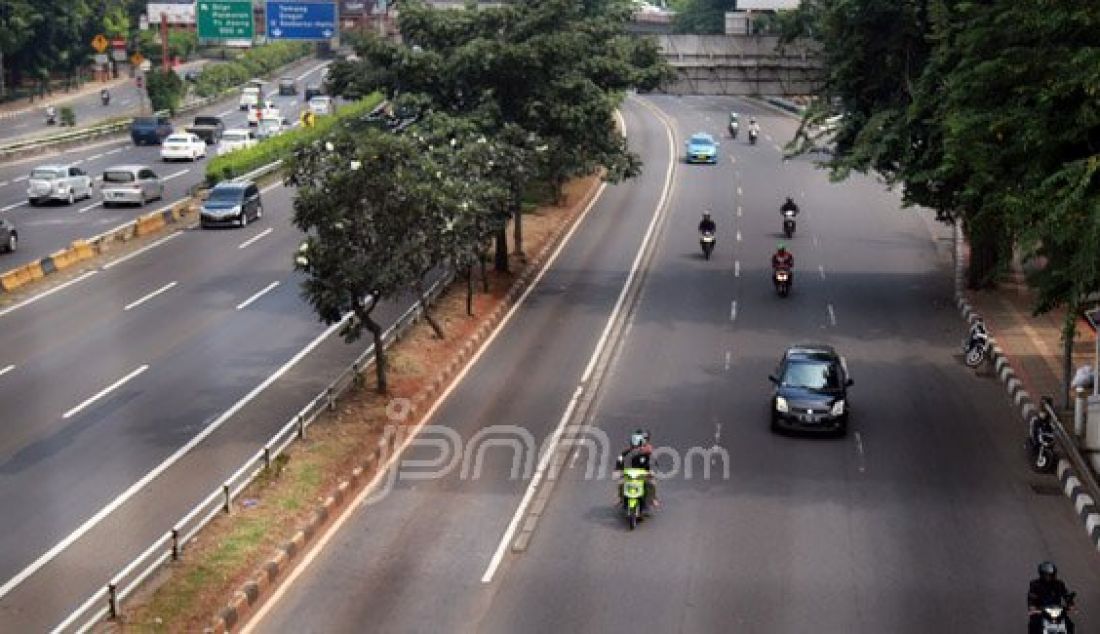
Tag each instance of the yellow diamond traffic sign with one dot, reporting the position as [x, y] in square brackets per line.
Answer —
[99, 43]
[136, 59]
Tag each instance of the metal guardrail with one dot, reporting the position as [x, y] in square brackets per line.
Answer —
[105, 602]
[1072, 453]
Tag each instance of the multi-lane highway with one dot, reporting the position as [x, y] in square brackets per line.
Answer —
[924, 518]
[48, 228]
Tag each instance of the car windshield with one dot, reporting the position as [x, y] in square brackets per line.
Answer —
[118, 176]
[206, 121]
[812, 374]
[44, 174]
[700, 139]
[234, 136]
[226, 194]
[145, 122]
[177, 139]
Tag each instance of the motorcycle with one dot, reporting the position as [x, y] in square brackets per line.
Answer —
[1040, 442]
[733, 129]
[706, 241]
[1054, 618]
[788, 223]
[976, 345]
[633, 494]
[51, 116]
[782, 278]
[752, 136]
[105, 97]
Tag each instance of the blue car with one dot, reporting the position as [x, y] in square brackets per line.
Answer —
[702, 148]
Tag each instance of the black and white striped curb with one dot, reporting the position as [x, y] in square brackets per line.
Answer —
[1084, 504]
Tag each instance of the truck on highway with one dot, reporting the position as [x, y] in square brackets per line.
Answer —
[207, 128]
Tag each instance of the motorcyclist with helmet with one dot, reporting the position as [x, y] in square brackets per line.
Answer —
[782, 258]
[789, 205]
[707, 224]
[639, 455]
[1046, 590]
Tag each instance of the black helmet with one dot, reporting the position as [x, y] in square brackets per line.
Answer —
[706, 213]
[789, 199]
[1048, 570]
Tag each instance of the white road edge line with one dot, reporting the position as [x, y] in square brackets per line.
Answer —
[147, 247]
[602, 342]
[104, 392]
[6, 370]
[310, 71]
[163, 289]
[353, 506]
[832, 315]
[53, 290]
[136, 487]
[248, 242]
[171, 176]
[265, 290]
[13, 206]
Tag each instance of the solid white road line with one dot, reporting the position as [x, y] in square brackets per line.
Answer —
[94, 157]
[265, 290]
[13, 206]
[11, 309]
[601, 343]
[246, 243]
[105, 391]
[163, 289]
[733, 310]
[6, 370]
[171, 176]
[115, 151]
[136, 487]
[832, 315]
[92, 206]
[737, 268]
[149, 246]
[20, 178]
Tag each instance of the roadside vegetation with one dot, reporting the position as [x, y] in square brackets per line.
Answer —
[487, 101]
[255, 62]
[986, 112]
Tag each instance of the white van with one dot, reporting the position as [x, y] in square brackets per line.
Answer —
[250, 96]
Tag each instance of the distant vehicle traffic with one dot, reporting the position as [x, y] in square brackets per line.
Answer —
[287, 86]
[267, 110]
[236, 139]
[150, 130]
[269, 127]
[183, 147]
[207, 128]
[231, 204]
[312, 91]
[9, 237]
[251, 95]
[811, 391]
[130, 184]
[702, 148]
[67, 183]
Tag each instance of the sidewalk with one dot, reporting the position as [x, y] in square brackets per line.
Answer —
[58, 98]
[1033, 344]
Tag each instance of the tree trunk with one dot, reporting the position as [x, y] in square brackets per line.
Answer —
[427, 313]
[517, 220]
[3, 87]
[500, 262]
[379, 347]
[988, 245]
[1069, 332]
[470, 290]
[482, 259]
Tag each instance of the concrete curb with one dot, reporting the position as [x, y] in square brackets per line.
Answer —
[248, 596]
[81, 250]
[1086, 507]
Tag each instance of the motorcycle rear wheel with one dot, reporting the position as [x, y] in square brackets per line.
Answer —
[974, 357]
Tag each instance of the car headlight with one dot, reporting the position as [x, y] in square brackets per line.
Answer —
[781, 405]
[838, 408]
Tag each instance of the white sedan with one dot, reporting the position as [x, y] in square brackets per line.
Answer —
[236, 139]
[178, 147]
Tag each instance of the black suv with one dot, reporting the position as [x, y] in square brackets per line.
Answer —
[811, 391]
[231, 204]
[287, 86]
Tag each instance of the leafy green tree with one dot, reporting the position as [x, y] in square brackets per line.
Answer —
[116, 20]
[165, 89]
[18, 22]
[702, 16]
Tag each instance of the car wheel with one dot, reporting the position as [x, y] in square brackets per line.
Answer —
[33, 202]
[13, 242]
[72, 197]
[259, 212]
[243, 221]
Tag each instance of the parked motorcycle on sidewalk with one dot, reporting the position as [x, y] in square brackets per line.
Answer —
[788, 223]
[633, 495]
[782, 279]
[976, 345]
[706, 242]
[51, 115]
[1040, 440]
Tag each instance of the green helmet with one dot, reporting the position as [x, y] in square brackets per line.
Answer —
[781, 247]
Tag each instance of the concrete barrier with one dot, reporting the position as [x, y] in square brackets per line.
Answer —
[149, 223]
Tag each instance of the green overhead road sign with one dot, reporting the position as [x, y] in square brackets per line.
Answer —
[225, 19]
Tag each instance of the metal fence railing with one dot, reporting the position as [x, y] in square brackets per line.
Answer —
[1072, 452]
[105, 602]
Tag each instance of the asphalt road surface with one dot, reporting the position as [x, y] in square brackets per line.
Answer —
[923, 519]
[103, 381]
[51, 227]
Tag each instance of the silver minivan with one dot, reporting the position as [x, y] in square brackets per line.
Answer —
[130, 184]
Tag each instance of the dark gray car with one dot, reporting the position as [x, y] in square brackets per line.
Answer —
[231, 204]
[811, 391]
[9, 237]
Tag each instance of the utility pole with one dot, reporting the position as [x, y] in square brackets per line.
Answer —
[164, 42]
